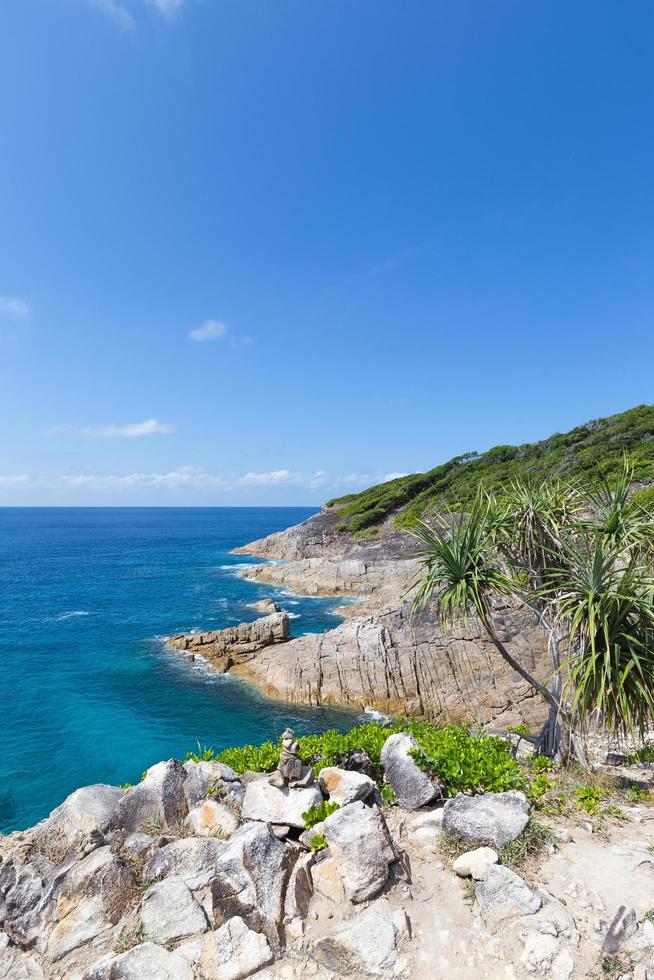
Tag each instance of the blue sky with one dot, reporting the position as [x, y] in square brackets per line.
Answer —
[266, 251]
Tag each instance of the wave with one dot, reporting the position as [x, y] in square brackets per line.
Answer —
[73, 614]
[372, 713]
[294, 615]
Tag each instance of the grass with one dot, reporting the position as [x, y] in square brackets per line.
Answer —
[519, 855]
[584, 454]
[131, 937]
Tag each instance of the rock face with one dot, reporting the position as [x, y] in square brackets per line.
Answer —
[159, 797]
[212, 819]
[381, 657]
[343, 786]
[503, 893]
[250, 881]
[86, 812]
[234, 951]
[194, 860]
[494, 818]
[237, 644]
[145, 962]
[361, 847]
[413, 787]
[169, 912]
[364, 945]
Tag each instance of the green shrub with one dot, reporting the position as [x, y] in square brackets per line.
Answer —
[251, 758]
[319, 812]
[644, 498]
[467, 763]
[589, 798]
[318, 843]
[388, 795]
[205, 753]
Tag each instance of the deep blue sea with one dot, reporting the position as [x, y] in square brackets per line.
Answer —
[88, 692]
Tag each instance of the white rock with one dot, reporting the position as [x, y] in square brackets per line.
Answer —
[144, 962]
[193, 859]
[362, 848]
[87, 811]
[345, 786]
[494, 818]
[169, 912]
[212, 819]
[503, 893]
[327, 881]
[281, 806]
[234, 951]
[475, 864]
[158, 797]
[365, 945]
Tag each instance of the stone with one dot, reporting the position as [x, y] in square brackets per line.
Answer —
[212, 819]
[356, 760]
[343, 786]
[281, 806]
[236, 644]
[83, 924]
[157, 798]
[495, 819]
[364, 945]
[169, 912]
[250, 881]
[361, 847]
[144, 962]
[412, 786]
[138, 845]
[85, 814]
[300, 888]
[193, 859]
[234, 951]
[290, 769]
[475, 864]
[266, 606]
[622, 928]
[327, 881]
[206, 778]
[503, 894]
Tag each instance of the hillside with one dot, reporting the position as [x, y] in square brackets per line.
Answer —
[588, 452]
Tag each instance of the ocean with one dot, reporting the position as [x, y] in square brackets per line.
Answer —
[88, 691]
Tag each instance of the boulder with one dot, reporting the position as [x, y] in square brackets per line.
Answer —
[102, 875]
[300, 888]
[234, 951]
[495, 819]
[622, 928]
[206, 778]
[144, 962]
[281, 806]
[356, 760]
[86, 814]
[413, 787]
[364, 945]
[327, 881]
[250, 881]
[193, 859]
[475, 864]
[169, 912]
[157, 798]
[343, 786]
[25, 883]
[546, 940]
[83, 924]
[212, 819]
[503, 894]
[361, 847]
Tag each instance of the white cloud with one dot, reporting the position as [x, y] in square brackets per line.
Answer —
[167, 8]
[210, 330]
[121, 17]
[15, 481]
[133, 430]
[15, 306]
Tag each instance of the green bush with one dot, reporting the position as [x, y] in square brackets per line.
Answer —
[318, 843]
[319, 812]
[645, 498]
[467, 763]
[251, 758]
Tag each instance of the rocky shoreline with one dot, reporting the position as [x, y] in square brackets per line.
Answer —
[379, 657]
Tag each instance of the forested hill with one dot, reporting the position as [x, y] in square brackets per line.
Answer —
[591, 451]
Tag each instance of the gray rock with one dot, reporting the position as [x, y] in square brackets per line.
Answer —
[159, 797]
[205, 776]
[169, 912]
[281, 806]
[361, 847]
[212, 819]
[87, 813]
[193, 859]
[343, 786]
[250, 881]
[364, 945]
[138, 845]
[495, 819]
[475, 864]
[622, 928]
[413, 787]
[83, 924]
[503, 894]
[144, 962]
[300, 888]
[234, 951]
[25, 883]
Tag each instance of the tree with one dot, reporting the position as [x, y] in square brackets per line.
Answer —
[582, 562]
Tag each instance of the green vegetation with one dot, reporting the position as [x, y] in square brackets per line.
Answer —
[318, 843]
[388, 795]
[589, 452]
[467, 763]
[316, 814]
[204, 754]
[584, 564]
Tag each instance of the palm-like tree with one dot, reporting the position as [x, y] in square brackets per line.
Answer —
[585, 572]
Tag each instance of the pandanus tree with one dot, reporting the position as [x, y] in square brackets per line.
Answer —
[582, 563]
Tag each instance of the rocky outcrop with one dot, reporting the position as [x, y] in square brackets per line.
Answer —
[411, 785]
[236, 644]
[493, 818]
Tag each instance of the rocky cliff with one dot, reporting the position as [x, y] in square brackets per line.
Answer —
[380, 657]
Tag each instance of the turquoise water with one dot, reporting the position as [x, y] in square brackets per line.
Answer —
[88, 691]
